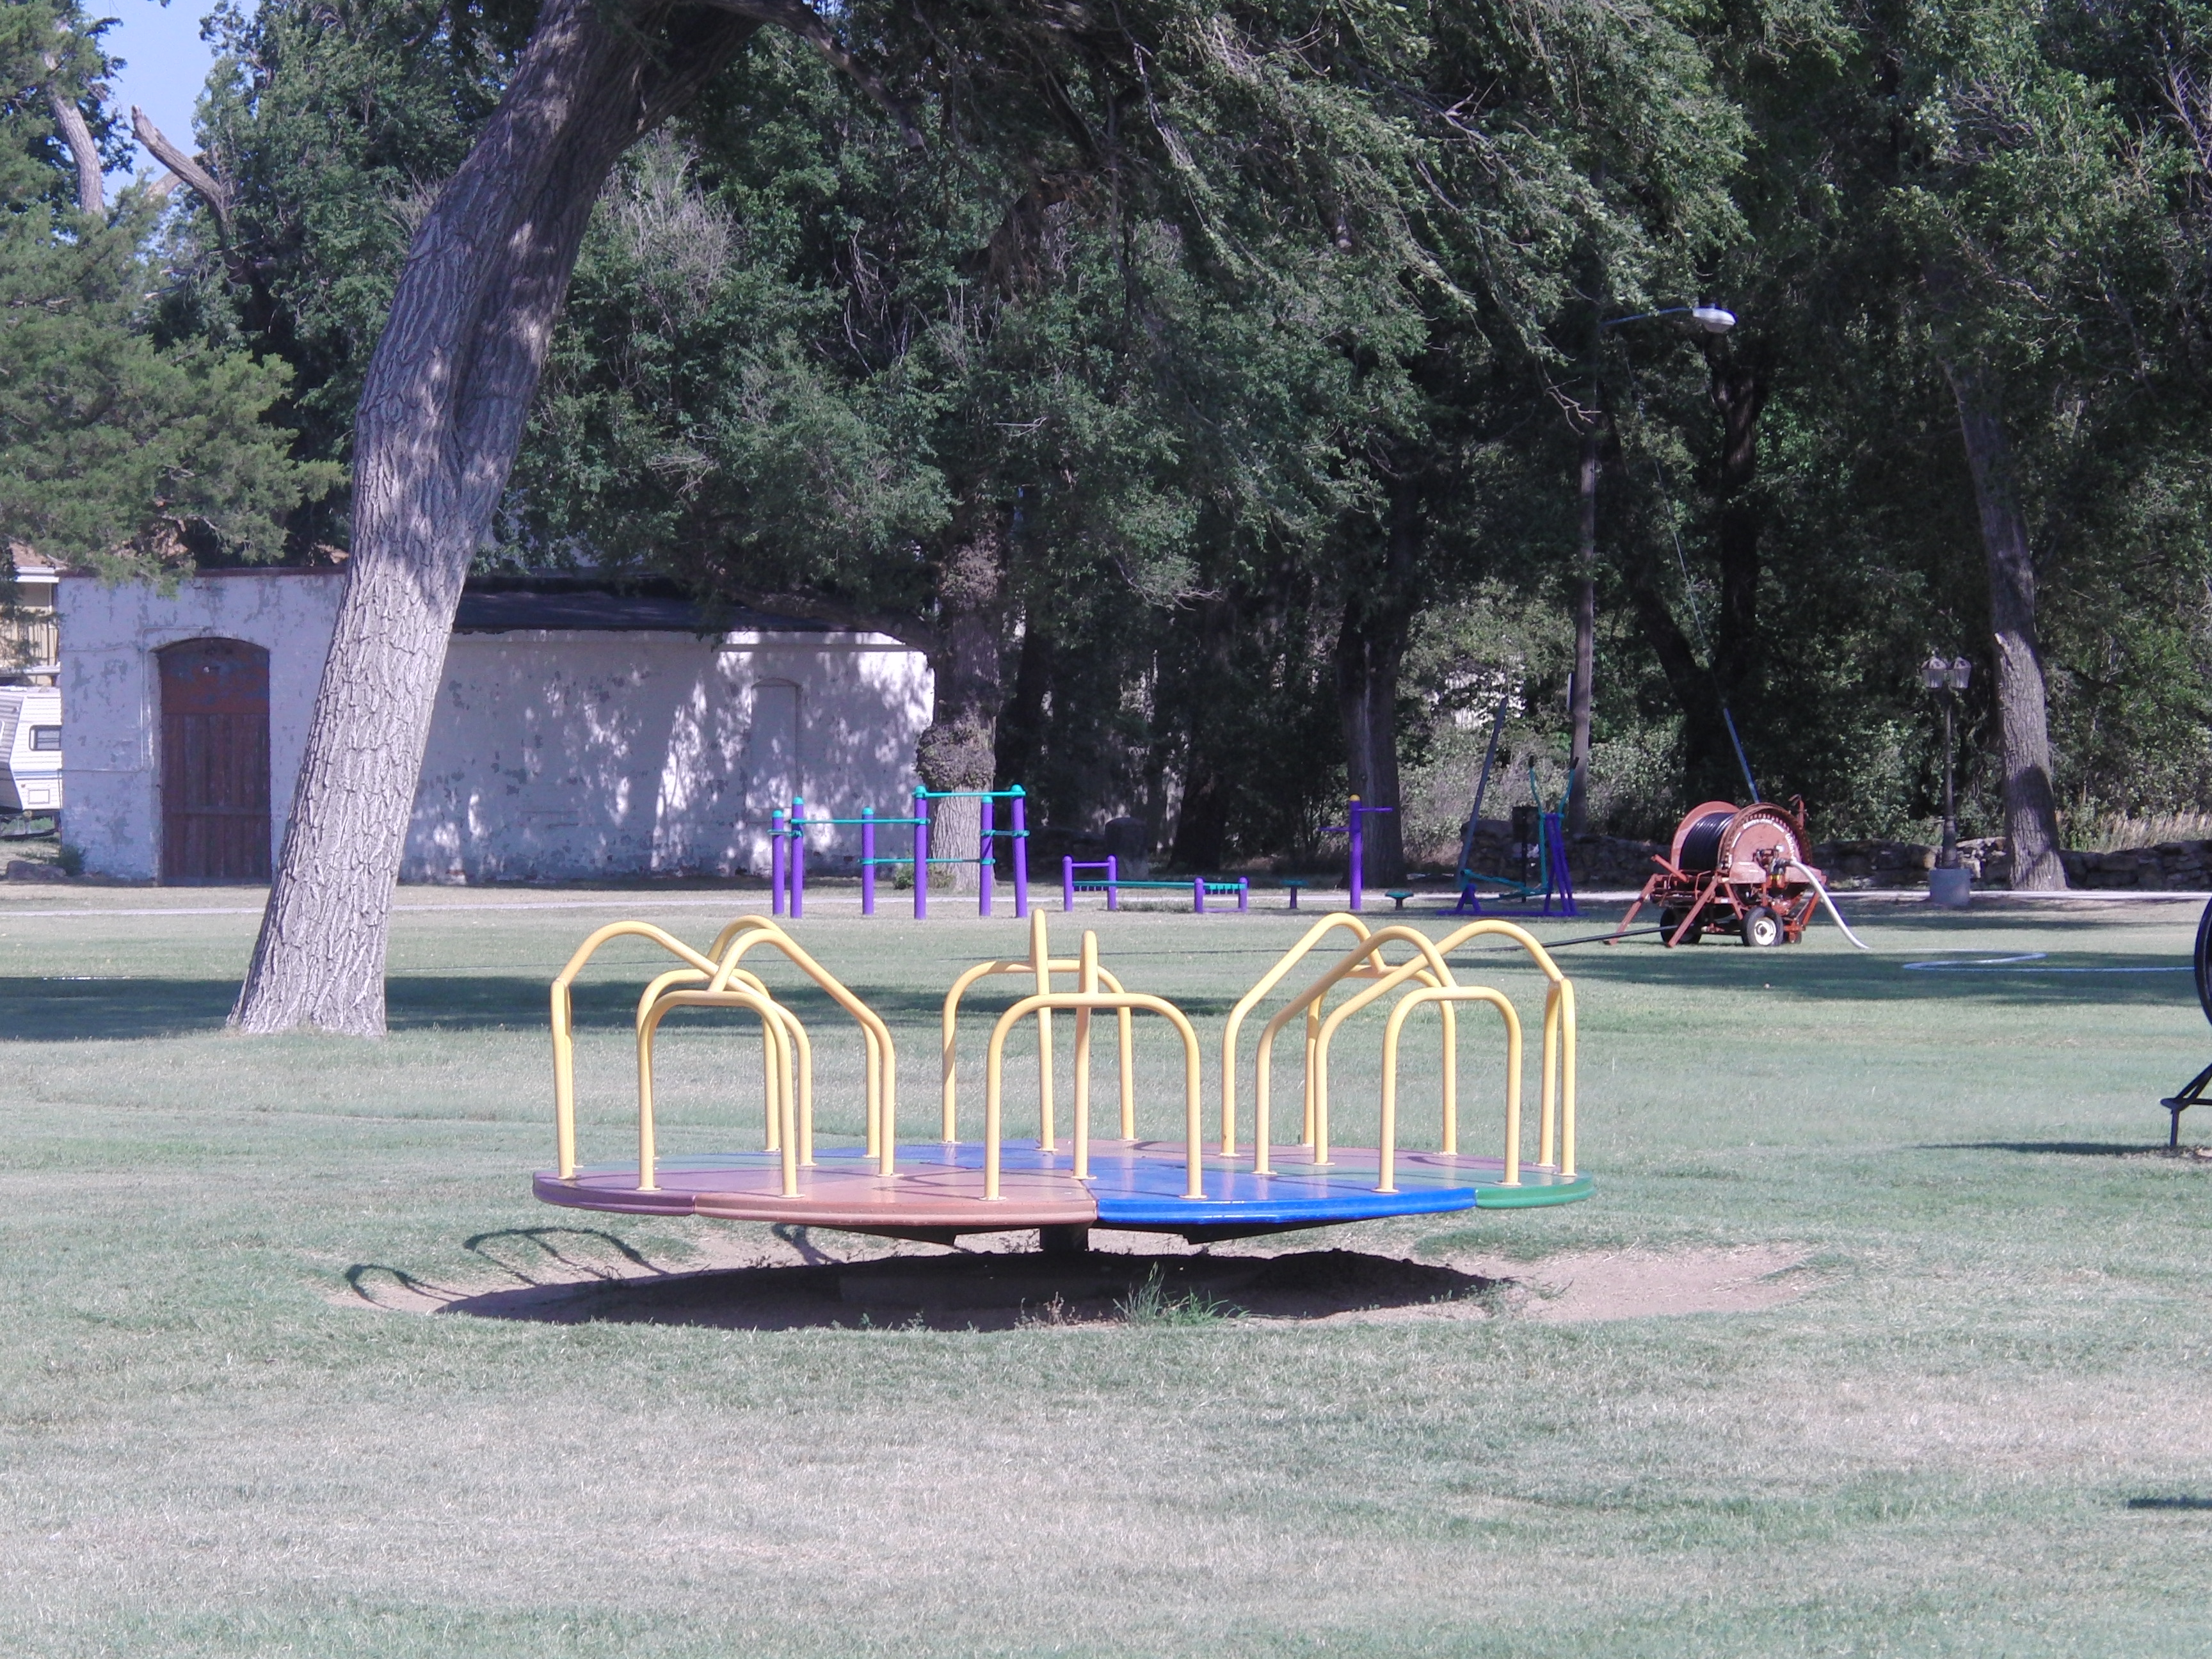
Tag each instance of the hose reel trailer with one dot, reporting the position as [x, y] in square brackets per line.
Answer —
[1735, 870]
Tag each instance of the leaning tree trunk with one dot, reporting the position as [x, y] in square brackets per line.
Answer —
[1579, 694]
[2030, 803]
[77, 135]
[1737, 384]
[960, 749]
[442, 412]
[1370, 651]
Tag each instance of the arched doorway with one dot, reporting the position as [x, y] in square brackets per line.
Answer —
[215, 761]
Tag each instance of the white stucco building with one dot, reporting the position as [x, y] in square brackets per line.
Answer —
[579, 732]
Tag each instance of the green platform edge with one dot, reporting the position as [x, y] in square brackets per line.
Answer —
[1534, 1198]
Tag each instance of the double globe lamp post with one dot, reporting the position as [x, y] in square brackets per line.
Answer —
[1949, 882]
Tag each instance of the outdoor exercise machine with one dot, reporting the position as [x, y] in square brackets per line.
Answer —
[1064, 1182]
[1554, 880]
[787, 851]
[1072, 882]
[2192, 1093]
[1354, 829]
[1739, 869]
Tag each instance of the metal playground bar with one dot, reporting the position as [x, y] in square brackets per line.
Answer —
[787, 851]
[1112, 884]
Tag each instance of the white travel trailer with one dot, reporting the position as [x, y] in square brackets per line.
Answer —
[31, 747]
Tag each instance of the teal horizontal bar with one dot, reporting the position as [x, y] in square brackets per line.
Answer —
[1180, 886]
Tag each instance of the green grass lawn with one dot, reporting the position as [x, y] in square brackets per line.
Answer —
[1981, 1424]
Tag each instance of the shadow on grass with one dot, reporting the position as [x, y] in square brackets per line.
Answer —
[2185, 1502]
[68, 1009]
[2074, 979]
[2048, 1148]
[71, 1009]
[963, 1291]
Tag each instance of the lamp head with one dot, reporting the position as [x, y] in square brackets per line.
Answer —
[1961, 672]
[1934, 672]
[1712, 319]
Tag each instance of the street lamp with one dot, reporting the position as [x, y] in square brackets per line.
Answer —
[1947, 680]
[1711, 319]
[1714, 320]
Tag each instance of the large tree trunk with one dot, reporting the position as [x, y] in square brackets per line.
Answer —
[960, 749]
[1201, 830]
[1737, 383]
[442, 413]
[1579, 693]
[2029, 804]
[1370, 651]
[1709, 768]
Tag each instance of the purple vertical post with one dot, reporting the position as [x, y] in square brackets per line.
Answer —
[1113, 880]
[1358, 852]
[867, 860]
[920, 854]
[1243, 894]
[775, 857]
[1068, 882]
[1198, 896]
[987, 863]
[798, 858]
[1021, 854]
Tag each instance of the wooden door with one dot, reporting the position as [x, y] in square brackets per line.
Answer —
[214, 762]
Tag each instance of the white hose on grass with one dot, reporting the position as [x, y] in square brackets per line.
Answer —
[1806, 870]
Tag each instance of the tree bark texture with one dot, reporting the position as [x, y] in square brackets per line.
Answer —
[442, 414]
[1201, 829]
[960, 749]
[1737, 383]
[1709, 768]
[1579, 693]
[2031, 806]
[1379, 621]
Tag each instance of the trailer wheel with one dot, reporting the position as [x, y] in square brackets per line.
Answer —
[1670, 920]
[1761, 927]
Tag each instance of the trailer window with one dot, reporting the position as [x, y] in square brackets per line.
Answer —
[46, 736]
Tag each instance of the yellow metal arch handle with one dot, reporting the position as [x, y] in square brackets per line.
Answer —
[749, 930]
[948, 1027]
[1556, 1136]
[741, 925]
[1309, 1001]
[780, 1031]
[1521, 936]
[563, 1025]
[693, 977]
[1443, 996]
[1267, 982]
[993, 1080]
[882, 1055]
[751, 982]
[1382, 987]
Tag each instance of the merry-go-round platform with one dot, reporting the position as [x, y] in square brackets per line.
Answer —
[1202, 1187]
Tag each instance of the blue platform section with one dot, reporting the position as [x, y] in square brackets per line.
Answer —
[1141, 1184]
[1133, 1184]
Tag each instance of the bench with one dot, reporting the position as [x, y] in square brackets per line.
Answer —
[1294, 885]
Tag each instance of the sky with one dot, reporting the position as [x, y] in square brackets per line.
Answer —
[167, 64]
